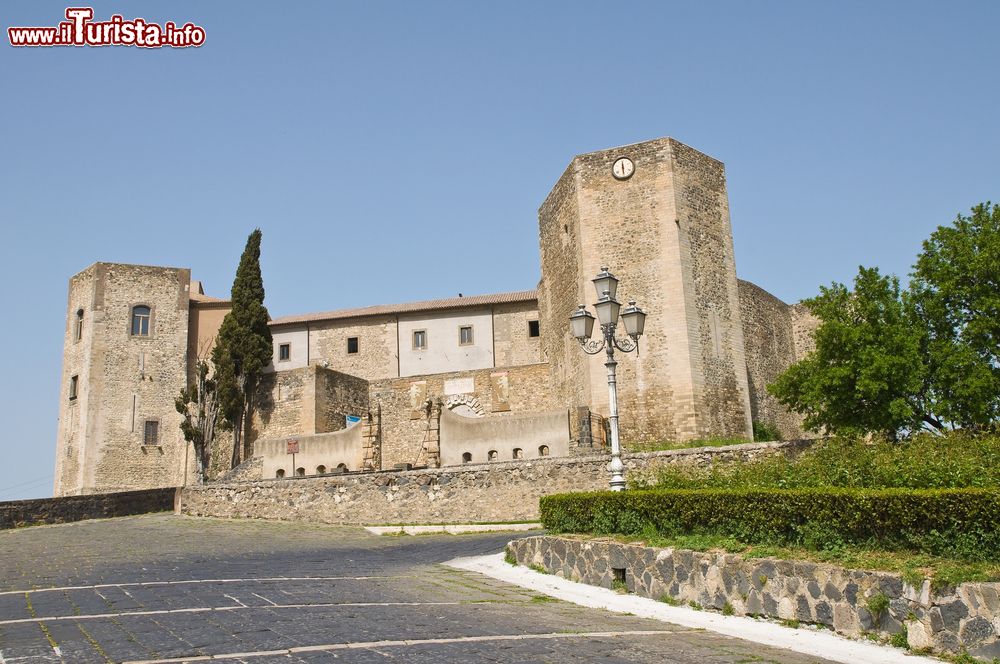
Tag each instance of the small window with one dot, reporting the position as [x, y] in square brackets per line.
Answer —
[321, 470]
[466, 457]
[78, 326]
[419, 339]
[533, 329]
[280, 473]
[543, 450]
[74, 383]
[284, 352]
[342, 467]
[140, 320]
[352, 345]
[151, 433]
[518, 453]
[301, 472]
[465, 335]
[493, 455]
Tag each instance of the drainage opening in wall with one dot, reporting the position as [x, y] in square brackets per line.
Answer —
[618, 579]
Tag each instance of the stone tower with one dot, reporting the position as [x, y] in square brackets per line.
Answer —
[124, 362]
[663, 230]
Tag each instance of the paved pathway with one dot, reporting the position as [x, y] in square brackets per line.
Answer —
[166, 588]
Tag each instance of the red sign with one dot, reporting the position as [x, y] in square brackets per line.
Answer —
[293, 447]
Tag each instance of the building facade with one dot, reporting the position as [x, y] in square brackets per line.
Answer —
[656, 213]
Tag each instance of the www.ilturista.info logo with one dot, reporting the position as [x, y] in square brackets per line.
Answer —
[80, 30]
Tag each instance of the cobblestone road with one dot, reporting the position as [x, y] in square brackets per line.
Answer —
[166, 588]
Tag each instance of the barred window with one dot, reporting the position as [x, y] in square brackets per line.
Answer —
[151, 433]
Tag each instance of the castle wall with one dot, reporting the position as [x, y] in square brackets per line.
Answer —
[770, 349]
[493, 392]
[308, 400]
[129, 380]
[516, 436]
[512, 345]
[561, 289]
[377, 355]
[71, 450]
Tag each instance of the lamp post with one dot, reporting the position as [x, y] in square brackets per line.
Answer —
[582, 326]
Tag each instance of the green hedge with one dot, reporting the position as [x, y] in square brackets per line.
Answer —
[958, 523]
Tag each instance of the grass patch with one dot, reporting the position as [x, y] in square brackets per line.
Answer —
[538, 568]
[671, 601]
[509, 558]
[924, 461]
[666, 445]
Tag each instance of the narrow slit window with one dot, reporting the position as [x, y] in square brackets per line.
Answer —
[140, 320]
[74, 384]
[284, 352]
[151, 433]
[78, 326]
[352, 345]
[465, 335]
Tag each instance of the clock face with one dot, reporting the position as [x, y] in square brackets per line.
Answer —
[623, 168]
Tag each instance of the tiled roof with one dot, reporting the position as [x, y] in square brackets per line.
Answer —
[412, 307]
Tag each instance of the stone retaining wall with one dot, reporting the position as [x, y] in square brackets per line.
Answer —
[498, 491]
[848, 601]
[17, 513]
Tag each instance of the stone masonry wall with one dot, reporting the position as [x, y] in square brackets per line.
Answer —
[511, 344]
[770, 349]
[499, 491]
[377, 355]
[18, 513]
[495, 392]
[845, 600]
[702, 209]
[307, 401]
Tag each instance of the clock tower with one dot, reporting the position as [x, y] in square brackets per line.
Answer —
[657, 214]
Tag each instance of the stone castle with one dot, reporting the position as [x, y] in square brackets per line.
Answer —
[459, 380]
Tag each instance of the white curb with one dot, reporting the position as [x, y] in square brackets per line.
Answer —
[819, 643]
[453, 529]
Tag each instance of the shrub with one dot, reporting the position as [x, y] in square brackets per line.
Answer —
[922, 462]
[957, 523]
[765, 432]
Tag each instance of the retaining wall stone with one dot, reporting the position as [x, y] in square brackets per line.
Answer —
[63, 509]
[845, 600]
[496, 491]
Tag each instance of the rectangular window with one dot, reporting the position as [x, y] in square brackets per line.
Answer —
[284, 352]
[533, 329]
[419, 339]
[465, 335]
[151, 433]
[140, 320]
[352, 345]
[73, 384]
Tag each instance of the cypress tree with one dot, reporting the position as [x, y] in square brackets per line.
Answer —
[243, 348]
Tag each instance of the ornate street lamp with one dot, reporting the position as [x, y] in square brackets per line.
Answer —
[581, 324]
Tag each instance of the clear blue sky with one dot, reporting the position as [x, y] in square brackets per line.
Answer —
[393, 151]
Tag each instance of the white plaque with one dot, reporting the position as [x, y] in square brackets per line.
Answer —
[459, 386]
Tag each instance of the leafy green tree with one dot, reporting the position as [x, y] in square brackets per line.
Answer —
[956, 291]
[199, 405]
[243, 348]
[867, 373]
